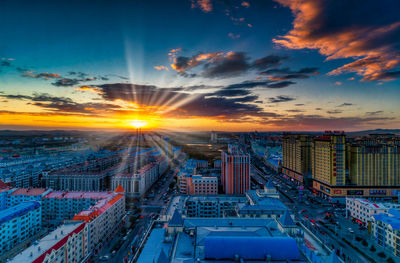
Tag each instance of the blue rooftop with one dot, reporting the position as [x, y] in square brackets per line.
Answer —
[176, 219]
[251, 248]
[18, 210]
[154, 244]
[391, 218]
[286, 219]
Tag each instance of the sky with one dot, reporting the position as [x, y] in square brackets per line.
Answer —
[200, 65]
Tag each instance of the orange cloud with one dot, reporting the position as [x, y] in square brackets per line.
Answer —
[204, 5]
[246, 4]
[89, 88]
[372, 43]
[160, 67]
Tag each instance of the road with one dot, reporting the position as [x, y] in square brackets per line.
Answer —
[150, 207]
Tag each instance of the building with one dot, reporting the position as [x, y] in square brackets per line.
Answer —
[137, 183]
[375, 162]
[296, 157]
[67, 243]
[198, 185]
[235, 170]
[103, 217]
[362, 210]
[223, 240]
[58, 206]
[366, 168]
[92, 175]
[386, 230]
[19, 195]
[18, 224]
[212, 206]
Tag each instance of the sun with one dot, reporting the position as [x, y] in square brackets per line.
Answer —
[138, 123]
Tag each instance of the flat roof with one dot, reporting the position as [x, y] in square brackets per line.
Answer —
[18, 210]
[78, 195]
[29, 191]
[53, 240]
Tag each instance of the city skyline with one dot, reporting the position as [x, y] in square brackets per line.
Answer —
[200, 65]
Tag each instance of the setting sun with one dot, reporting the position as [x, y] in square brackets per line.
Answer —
[138, 123]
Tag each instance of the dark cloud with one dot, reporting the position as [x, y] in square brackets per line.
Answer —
[268, 62]
[334, 111]
[279, 74]
[231, 92]
[299, 104]
[345, 104]
[65, 82]
[368, 33]
[15, 97]
[5, 64]
[232, 64]
[282, 84]
[372, 113]
[281, 98]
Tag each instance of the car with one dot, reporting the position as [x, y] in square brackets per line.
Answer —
[351, 230]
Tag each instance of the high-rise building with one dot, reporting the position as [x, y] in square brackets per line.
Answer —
[375, 162]
[235, 170]
[296, 156]
[328, 157]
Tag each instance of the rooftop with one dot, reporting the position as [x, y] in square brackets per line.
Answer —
[18, 210]
[29, 191]
[155, 243]
[54, 240]
[78, 195]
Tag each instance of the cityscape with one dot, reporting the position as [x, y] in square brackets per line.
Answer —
[200, 131]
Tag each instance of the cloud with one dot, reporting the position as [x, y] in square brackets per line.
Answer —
[182, 63]
[345, 104]
[204, 5]
[175, 102]
[268, 62]
[234, 36]
[278, 74]
[317, 122]
[368, 33]
[281, 98]
[245, 4]
[63, 104]
[373, 113]
[65, 82]
[43, 75]
[232, 64]
[282, 84]
[161, 68]
[299, 104]
[5, 64]
[334, 111]
[338, 83]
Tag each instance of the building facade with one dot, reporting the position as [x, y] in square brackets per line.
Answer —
[296, 156]
[235, 171]
[19, 223]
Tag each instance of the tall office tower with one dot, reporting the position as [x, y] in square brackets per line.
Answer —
[328, 155]
[375, 161]
[296, 154]
[214, 137]
[235, 170]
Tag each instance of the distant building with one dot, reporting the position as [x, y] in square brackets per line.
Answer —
[235, 171]
[67, 243]
[19, 223]
[198, 185]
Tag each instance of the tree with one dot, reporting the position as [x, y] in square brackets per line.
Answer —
[373, 249]
[364, 243]
[390, 260]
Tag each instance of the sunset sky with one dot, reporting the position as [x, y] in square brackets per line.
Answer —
[200, 65]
